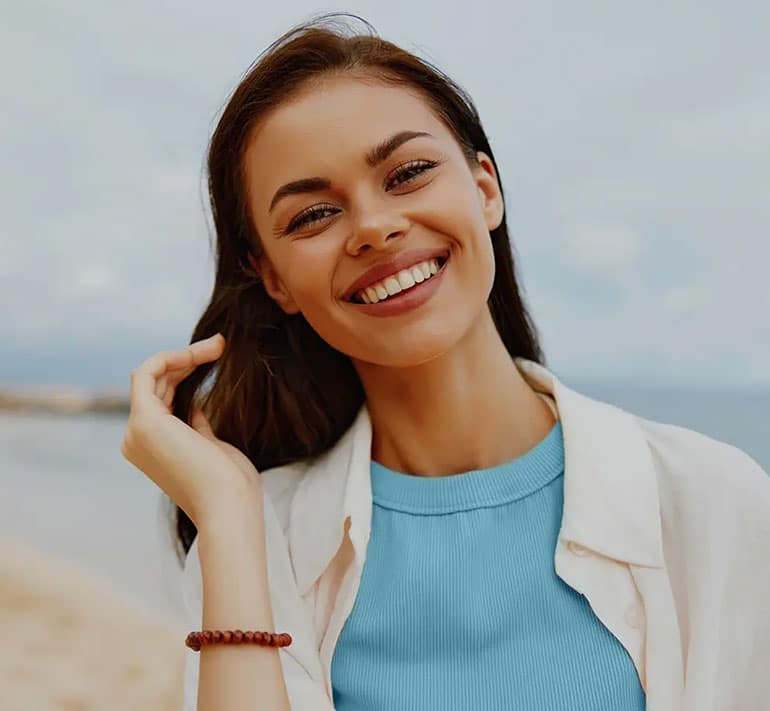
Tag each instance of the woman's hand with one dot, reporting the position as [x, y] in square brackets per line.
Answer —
[198, 471]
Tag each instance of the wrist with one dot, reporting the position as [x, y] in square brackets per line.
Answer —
[228, 528]
[232, 509]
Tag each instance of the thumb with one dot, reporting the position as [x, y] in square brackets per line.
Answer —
[201, 424]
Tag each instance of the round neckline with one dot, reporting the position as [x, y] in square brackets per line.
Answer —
[476, 488]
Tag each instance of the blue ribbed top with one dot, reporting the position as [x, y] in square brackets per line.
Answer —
[459, 606]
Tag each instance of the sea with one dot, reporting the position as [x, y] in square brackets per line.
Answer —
[66, 490]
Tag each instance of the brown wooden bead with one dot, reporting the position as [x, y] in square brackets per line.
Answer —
[195, 640]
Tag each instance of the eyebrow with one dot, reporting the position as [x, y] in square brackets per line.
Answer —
[373, 157]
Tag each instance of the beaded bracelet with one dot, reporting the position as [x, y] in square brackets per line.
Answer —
[195, 640]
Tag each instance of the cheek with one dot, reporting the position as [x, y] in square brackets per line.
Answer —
[309, 274]
[313, 292]
[455, 212]
[333, 327]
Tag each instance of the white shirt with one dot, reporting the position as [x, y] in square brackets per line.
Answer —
[664, 530]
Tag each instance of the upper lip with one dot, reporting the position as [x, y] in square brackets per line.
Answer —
[393, 265]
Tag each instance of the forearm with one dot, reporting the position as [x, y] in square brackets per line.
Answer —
[236, 596]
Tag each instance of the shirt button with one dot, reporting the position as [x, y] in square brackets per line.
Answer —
[633, 617]
[576, 548]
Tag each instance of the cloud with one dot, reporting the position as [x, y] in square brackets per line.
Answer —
[631, 142]
[603, 248]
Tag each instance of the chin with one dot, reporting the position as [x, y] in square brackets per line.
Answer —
[409, 355]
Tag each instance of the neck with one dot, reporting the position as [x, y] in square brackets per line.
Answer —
[468, 409]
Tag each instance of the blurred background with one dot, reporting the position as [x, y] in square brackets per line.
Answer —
[634, 149]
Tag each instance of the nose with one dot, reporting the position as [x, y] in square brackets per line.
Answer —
[374, 226]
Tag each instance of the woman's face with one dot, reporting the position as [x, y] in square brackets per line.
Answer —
[320, 237]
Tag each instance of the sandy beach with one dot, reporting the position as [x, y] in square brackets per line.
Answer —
[69, 642]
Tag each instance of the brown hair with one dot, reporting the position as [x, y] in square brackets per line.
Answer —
[279, 392]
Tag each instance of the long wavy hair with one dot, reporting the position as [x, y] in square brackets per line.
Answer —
[279, 392]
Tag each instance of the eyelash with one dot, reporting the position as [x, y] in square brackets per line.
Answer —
[421, 166]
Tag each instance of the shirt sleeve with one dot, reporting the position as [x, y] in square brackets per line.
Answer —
[190, 683]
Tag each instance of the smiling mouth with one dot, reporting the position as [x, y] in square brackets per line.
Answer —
[442, 260]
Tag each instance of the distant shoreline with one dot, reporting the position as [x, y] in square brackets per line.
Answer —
[60, 400]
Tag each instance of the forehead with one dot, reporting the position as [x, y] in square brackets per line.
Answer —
[329, 125]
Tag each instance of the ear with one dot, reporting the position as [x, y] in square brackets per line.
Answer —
[489, 191]
[272, 283]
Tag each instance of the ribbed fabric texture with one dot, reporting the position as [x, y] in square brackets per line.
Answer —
[459, 607]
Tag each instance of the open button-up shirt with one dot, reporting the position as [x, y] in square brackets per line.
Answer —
[664, 530]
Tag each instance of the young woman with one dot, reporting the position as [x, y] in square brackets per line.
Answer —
[384, 468]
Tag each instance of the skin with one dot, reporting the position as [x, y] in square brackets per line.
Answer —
[431, 375]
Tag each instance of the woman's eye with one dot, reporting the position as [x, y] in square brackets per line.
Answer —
[411, 170]
[311, 215]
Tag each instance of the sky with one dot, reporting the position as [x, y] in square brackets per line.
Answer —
[632, 140]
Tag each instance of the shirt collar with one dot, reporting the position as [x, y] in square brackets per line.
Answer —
[611, 503]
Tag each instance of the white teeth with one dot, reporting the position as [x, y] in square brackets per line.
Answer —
[392, 285]
[405, 279]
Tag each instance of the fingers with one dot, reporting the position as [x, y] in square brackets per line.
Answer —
[161, 385]
[162, 371]
[185, 358]
[164, 389]
[210, 351]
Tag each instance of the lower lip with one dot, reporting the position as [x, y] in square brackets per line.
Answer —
[406, 300]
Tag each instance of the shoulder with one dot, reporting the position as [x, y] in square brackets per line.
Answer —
[714, 497]
[688, 461]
